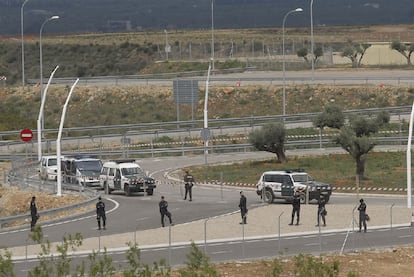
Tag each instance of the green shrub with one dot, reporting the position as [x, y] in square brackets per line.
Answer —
[198, 264]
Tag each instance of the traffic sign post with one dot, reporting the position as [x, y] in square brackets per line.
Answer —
[26, 135]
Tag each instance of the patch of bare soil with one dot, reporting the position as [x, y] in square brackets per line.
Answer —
[14, 201]
[392, 262]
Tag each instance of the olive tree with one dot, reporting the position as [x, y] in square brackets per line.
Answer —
[405, 49]
[303, 53]
[331, 117]
[270, 138]
[355, 52]
[355, 138]
[357, 141]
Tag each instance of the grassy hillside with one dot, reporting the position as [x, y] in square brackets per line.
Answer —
[85, 55]
[90, 106]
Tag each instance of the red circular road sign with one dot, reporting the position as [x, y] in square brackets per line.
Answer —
[26, 135]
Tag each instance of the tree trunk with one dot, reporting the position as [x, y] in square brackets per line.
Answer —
[281, 157]
[360, 167]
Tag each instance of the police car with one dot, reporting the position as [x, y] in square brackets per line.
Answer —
[125, 175]
[283, 184]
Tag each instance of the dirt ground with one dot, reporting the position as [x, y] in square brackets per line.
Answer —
[14, 201]
[384, 262]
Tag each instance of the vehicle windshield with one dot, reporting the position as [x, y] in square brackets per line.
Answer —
[132, 171]
[52, 162]
[301, 178]
[93, 165]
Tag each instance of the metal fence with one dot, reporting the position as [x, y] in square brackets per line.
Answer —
[23, 175]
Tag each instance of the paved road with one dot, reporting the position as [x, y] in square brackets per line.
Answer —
[321, 76]
[137, 219]
[128, 214]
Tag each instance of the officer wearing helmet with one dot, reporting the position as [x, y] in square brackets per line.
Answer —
[100, 213]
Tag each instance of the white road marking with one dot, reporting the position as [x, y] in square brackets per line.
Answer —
[311, 244]
[220, 252]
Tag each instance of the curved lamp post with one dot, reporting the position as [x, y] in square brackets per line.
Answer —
[212, 34]
[40, 48]
[41, 57]
[283, 54]
[312, 44]
[21, 25]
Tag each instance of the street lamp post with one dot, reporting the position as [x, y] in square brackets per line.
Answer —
[21, 25]
[283, 57]
[166, 44]
[212, 34]
[312, 44]
[40, 48]
[41, 57]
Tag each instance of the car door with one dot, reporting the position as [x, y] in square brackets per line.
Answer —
[43, 170]
[117, 179]
[110, 177]
[287, 186]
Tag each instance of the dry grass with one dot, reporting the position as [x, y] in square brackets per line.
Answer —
[322, 34]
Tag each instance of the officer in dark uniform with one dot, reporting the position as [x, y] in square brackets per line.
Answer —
[33, 213]
[321, 210]
[100, 213]
[164, 211]
[188, 185]
[243, 208]
[295, 208]
[362, 208]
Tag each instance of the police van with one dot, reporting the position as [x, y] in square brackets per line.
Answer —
[125, 175]
[81, 169]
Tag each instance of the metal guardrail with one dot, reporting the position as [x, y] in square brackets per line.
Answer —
[191, 125]
[146, 77]
[10, 219]
[167, 78]
[20, 176]
[176, 149]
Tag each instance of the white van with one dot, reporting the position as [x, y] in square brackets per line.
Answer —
[81, 169]
[48, 168]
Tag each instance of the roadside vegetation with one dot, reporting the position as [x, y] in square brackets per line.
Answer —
[133, 53]
[335, 169]
[100, 106]
[100, 264]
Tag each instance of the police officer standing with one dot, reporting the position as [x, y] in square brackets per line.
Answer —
[243, 208]
[295, 208]
[33, 213]
[100, 213]
[188, 185]
[321, 210]
[164, 211]
[362, 208]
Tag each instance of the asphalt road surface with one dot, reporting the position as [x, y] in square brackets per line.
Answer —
[128, 214]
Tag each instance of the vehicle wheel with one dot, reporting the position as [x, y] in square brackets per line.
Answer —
[127, 190]
[268, 196]
[302, 198]
[327, 199]
[150, 192]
